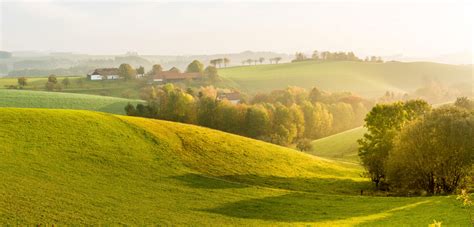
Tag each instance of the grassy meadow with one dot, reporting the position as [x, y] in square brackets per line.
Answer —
[78, 167]
[58, 100]
[80, 84]
[342, 146]
[363, 78]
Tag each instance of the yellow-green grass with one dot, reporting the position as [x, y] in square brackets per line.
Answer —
[81, 167]
[368, 79]
[114, 88]
[57, 100]
[32, 82]
[342, 146]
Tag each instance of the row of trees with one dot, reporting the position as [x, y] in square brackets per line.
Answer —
[282, 117]
[410, 147]
[261, 60]
[333, 56]
[219, 61]
[52, 84]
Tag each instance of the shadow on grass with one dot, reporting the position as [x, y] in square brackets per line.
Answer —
[204, 182]
[317, 185]
[306, 207]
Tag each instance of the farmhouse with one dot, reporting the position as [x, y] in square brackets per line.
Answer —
[233, 97]
[104, 74]
[174, 76]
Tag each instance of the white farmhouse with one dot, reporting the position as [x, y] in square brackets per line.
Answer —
[104, 74]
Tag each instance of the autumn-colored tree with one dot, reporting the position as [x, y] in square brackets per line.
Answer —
[127, 72]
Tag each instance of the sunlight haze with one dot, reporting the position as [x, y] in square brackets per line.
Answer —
[401, 30]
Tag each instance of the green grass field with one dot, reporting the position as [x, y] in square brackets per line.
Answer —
[342, 146]
[57, 100]
[114, 88]
[78, 167]
[367, 79]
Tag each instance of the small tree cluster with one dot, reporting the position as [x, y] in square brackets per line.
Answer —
[219, 61]
[52, 84]
[326, 56]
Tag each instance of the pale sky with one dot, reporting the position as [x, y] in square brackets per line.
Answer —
[423, 28]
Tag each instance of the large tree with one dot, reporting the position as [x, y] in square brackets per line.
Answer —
[433, 153]
[383, 122]
[195, 67]
[127, 72]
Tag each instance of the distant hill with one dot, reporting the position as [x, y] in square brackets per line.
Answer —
[367, 79]
[57, 100]
[342, 146]
[82, 167]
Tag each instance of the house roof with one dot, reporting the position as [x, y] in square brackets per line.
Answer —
[106, 71]
[172, 75]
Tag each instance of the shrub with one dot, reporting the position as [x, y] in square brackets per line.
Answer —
[304, 145]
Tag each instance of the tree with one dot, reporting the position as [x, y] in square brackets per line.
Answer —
[315, 55]
[433, 153]
[140, 70]
[22, 81]
[304, 145]
[257, 122]
[211, 73]
[300, 56]
[261, 60]
[226, 62]
[464, 102]
[156, 68]
[66, 82]
[130, 110]
[277, 59]
[382, 123]
[249, 61]
[127, 72]
[52, 79]
[195, 67]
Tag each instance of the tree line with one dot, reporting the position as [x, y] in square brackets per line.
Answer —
[410, 147]
[282, 117]
[334, 56]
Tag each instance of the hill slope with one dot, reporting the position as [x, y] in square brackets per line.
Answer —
[367, 79]
[65, 166]
[57, 100]
[342, 146]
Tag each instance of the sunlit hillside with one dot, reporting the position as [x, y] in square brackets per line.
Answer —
[367, 79]
[77, 167]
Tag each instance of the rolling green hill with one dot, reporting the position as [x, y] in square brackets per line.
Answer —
[57, 100]
[367, 79]
[77, 167]
[342, 146]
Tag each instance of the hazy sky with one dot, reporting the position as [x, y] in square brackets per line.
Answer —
[149, 27]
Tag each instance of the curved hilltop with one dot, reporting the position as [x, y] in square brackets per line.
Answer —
[73, 167]
[363, 78]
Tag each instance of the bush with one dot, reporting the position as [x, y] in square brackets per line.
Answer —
[304, 145]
